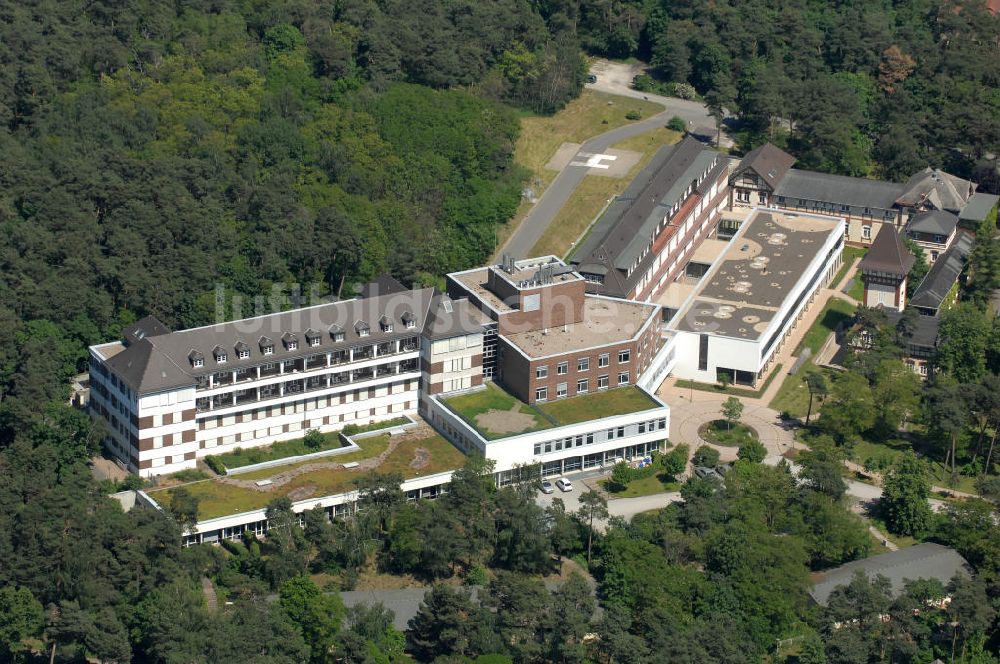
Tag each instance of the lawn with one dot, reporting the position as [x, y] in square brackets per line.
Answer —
[793, 396]
[850, 254]
[719, 432]
[835, 312]
[647, 486]
[588, 115]
[856, 289]
[219, 499]
[289, 448]
[570, 225]
[473, 404]
[597, 405]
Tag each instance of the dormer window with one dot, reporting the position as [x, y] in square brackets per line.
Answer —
[385, 323]
[290, 340]
[220, 355]
[362, 328]
[336, 333]
[242, 351]
[197, 359]
[409, 320]
[266, 346]
[313, 337]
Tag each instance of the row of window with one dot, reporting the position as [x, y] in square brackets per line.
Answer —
[583, 364]
[580, 440]
[582, 386]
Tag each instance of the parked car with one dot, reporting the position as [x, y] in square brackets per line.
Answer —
[723, 468]
[547, 487]
[564, 484]
[707, 473]
[591, 78]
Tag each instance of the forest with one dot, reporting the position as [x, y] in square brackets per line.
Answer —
[163, 157]
[879, 88]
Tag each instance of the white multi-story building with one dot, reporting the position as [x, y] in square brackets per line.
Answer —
[168, 398]
[744, 308]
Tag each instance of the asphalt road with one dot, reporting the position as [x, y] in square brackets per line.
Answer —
[613, 78]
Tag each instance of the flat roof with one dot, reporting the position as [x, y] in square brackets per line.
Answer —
[526, 270]
[418, 452]
[921, 561]
[497, 414]
[605, 321]
[744, 289]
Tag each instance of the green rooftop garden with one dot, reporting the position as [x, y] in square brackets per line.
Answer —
[596, 405]
[414, 454]
[496, 414]
[297, 447]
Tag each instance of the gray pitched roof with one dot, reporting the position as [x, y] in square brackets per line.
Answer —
[887, 254]
[934, 288]
[768, 161]
[150, 326]
[979, 205]
[838, 190]
[933, 188]
[627, 227]
[161, 362]
[451, 318]
[921, 561]
[934, 222]
[925, 328]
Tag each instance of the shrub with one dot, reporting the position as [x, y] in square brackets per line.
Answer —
[132, 483]
[633, 115]
[621, 475]
[215, 464]
[190, 475]
[643, 83]
[706, 456]
[313, 439]
[684, 91]
[677, 124]
[675, 461]
[477, 576]
[753, 452]
[989, 486]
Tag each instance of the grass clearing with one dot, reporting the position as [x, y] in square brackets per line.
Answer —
[590, 114]
[850, 254]
[793, 395]
[646, 486]
[572, 222]
[835, 312]
[597, 405]
[218, 498]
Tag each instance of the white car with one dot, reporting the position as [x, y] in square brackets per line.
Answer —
[564, 484]
[547, 487]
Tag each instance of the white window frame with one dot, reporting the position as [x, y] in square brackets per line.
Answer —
[562, 390]
[269, 350]
[603, 379]
[583, 364]
[603, 360]
[627, 354]
[244, 354]
[623, 375]
[541, 394]
[314, 341]
[562, 368]
[221, 359]
[197, 363]
[583, 386]
[542, 371]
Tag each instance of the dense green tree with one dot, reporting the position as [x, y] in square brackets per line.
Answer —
[21, 617]
[705, 456]
[732, 411]
[593, 507]
[318, 615]
[904, 497]
[445, 624]
[849, 409]
[962, 341]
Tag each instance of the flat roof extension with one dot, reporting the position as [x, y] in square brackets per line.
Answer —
[746, 287]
